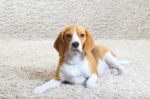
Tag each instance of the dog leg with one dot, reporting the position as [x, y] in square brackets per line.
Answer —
[50, 84]
[114, 64]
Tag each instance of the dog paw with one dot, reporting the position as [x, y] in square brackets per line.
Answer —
[90, 85]
[48, 85]
[37, 90]
[91, 82]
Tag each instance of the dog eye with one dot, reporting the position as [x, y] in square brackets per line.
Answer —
[82, 35]
[69, 36]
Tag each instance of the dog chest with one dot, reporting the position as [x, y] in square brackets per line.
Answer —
[75, 71]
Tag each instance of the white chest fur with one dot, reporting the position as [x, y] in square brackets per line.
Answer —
[76, 73]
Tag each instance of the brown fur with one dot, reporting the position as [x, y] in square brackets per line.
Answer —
[92, 52]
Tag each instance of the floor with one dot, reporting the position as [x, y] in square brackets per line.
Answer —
[25, 65]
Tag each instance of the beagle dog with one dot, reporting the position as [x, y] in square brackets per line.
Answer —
[81, 61]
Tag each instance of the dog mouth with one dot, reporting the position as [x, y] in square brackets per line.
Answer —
[75, 50]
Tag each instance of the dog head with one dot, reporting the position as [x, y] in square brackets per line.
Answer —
[74, 39]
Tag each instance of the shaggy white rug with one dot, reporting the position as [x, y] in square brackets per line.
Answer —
[36, 19]
[25, 65]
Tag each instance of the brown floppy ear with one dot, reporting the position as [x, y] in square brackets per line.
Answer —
[59, 44]
[89, 43]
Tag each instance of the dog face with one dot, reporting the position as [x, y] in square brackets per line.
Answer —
[74, 39]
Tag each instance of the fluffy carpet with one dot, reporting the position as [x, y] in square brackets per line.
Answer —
[25, 65]
[36, 19]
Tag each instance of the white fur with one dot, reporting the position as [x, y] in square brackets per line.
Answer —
[50, 84]
[75, 38]
[113, 63]
[102, 67]
[91, 82]
[75, 72]
[110, 62]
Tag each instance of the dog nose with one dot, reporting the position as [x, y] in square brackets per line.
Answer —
[75, 44]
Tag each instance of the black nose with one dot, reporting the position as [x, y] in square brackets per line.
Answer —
[75, 44]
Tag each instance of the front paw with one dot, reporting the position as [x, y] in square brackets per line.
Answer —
[46, 86]
[37, 90]
[90, 84]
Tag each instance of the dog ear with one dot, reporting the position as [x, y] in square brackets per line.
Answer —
[89, 43]
[59, 44]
